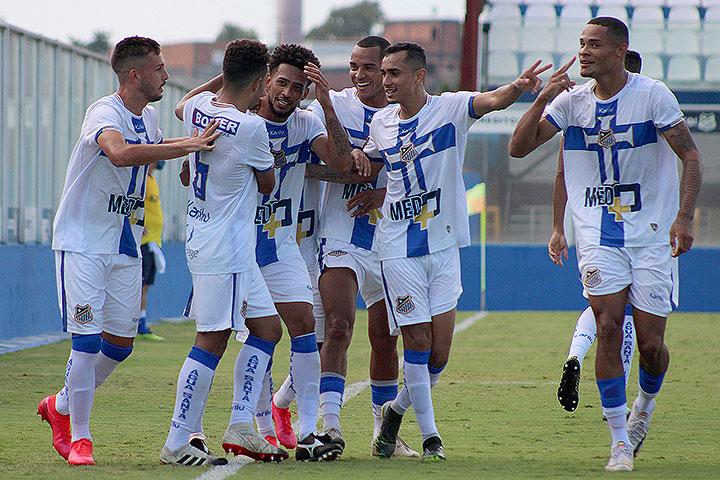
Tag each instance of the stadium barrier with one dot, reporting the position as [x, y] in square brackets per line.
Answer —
[519, 277]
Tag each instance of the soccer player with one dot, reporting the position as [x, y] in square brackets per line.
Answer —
[96, 235]
[422, 139]
[228, 288]
[622, 132]
[349, 260]
[294, 135]
[584, 335]
[153, 260]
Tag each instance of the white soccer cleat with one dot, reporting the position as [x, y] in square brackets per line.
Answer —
[194, 454]
[621, 458]
[402, 449]
[242, 439]
[638, 425]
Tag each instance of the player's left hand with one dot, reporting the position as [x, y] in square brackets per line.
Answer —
[365, 202]
[322, 88]
[159, 257]
[681, 236]
[530, 80]
[361, 163]
[558, 248]
[185, 173]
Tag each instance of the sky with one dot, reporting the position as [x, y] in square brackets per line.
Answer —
[172, 21]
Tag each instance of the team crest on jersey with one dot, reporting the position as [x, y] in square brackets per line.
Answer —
[337, 253]
[654, 227]
[243, 307]
[405, 304]
[606, 138]
[83, 313]
[279, 156]
[592, 277]
[408, 153]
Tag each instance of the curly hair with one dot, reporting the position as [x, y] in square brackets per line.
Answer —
[244, 61]
[292, 54]
[129, 50]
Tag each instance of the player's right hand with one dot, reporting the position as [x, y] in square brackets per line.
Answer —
[185, 173]
[205, 141]
[559, 81]
[558, 248]
[361, 163]
[366, 201]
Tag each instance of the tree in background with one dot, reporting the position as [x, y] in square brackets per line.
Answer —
[348, 22]
[100, 42]
[231, 31]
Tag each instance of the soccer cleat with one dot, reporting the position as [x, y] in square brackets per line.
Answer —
[313, 449]
[638, 425]
[194, 454]
[272, 440]
[283, 426]
[402, 449]
[332, 435]
[151, 336]
[59, 423]
[386, 440]
[433, 450]
[568, 391]
[242, 439]
[81, 452]
[621, 458]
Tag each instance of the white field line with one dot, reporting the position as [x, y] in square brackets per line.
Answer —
[351, 391]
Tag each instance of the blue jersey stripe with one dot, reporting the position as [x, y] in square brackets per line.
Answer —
[363, 233]
[63, 293]
[128, 246]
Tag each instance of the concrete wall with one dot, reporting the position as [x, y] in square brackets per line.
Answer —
[519, 277]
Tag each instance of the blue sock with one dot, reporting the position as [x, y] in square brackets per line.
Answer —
[614, 407]
[649, 389]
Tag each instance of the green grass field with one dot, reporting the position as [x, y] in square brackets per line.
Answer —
[495, 406]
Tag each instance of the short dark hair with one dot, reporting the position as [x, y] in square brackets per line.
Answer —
[414, 53]
[129, 50]
[244, 61]
[374, 41]
[633, 61]
[616, 28]
[292, 54]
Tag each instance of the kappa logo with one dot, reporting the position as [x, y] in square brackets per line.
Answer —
[408, 153]
[83, 313]
[592, 277]
[279, 156]
[337, 253]
[243, 307]
[405, 304]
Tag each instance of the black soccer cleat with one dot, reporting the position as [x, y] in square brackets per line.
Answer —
[568, 392]
[313, 449]
[387, 438]
[433, 450]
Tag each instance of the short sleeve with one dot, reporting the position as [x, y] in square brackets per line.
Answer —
[315, 128]
[100, 118]
[258, 152]
[557, 112]
[460, 105]
[315, 108]
[187, 113]
[371, 149]
[665, 108]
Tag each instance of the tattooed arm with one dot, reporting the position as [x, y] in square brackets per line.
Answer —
[325, 174]
[682, 143]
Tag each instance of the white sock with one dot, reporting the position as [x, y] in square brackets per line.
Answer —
[628, 345]
[402, 403]
[617, 422]
[584, 335]
[263, 413]
[81, 392]
[250, 367]
[62, 404]
[305, 373]
[381, 392]
[285, 394]
[332, 389]
[645, 402]
[193, 388]
[417, 382]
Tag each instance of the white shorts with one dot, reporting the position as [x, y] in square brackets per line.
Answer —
[365, 264]
[99, 293]
[221, 301]
[650, 271]
[288, 280]
[418, 288]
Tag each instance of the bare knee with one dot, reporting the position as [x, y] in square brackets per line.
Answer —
[338, 330]
[213, 342]
[651, 346]
[417, 337]
[265, 328]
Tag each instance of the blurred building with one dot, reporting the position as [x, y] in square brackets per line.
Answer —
[289, 21]
[194, 62]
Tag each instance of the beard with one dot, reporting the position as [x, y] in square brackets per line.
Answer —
[278, 114]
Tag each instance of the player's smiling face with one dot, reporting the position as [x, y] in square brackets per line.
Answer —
[399, 78]
[152, 76]
[599, 53]
[286, 87]
[365, 73]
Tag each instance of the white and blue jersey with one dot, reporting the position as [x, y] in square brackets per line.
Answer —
[425, 210]
[277, 213]
[222, 197]
[337, 223]
[620, 172]
[102, 208]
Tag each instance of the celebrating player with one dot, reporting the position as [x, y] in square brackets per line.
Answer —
[422, 142]
[96, 236]
[621, 134]
[228, 288]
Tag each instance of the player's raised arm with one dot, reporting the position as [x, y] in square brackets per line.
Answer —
[557, 246]
[506, 95]
[123, 154]
[333, 149]
[682, 143]
[532, 130]
[212, 85]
